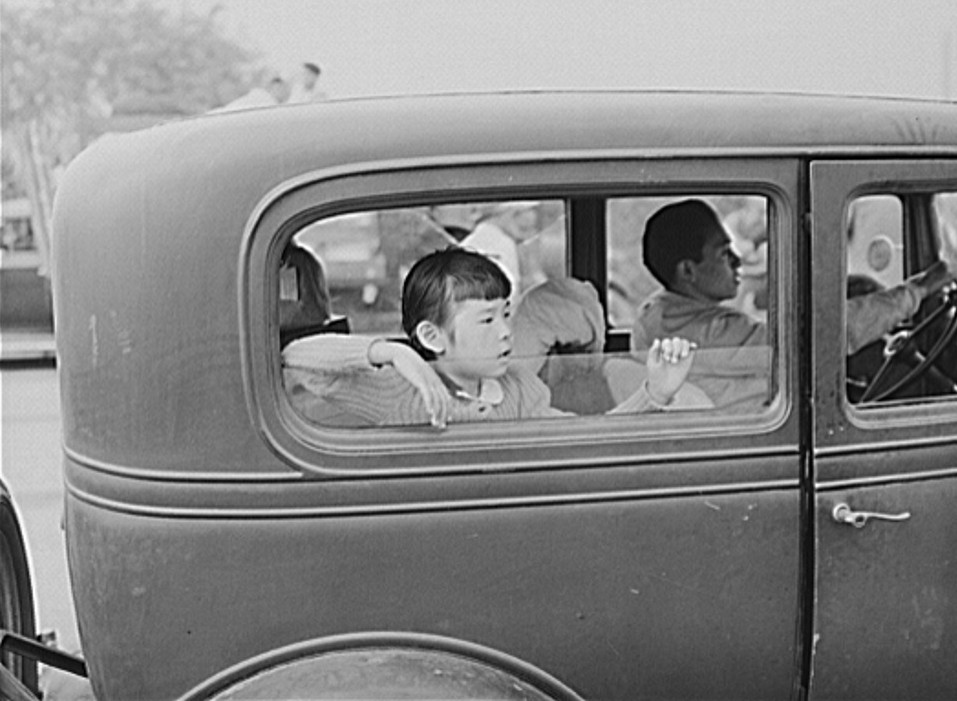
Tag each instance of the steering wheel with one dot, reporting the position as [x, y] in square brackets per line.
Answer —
[903, 347]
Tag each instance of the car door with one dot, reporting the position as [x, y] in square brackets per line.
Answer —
[654, 556]
[885, 473]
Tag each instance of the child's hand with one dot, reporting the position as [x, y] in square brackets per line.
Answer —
[408, 363]
[669, 362]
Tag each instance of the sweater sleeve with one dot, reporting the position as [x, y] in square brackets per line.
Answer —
[639, 402]
[336, 369]
[535, 400]
[871, 316]
[329, 352]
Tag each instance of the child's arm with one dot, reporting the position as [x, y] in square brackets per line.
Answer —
[669, 362]
[341, 355]
[408, 363]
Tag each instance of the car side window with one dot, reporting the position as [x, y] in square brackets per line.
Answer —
[875, 239]
[899, 330]
[724, 304]
[367, 255]
[945, 211]
[363, 260]
[564, 354]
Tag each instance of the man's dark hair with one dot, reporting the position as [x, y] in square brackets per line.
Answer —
[674, 233]
[442, 277]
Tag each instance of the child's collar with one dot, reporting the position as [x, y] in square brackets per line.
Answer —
[490, 390]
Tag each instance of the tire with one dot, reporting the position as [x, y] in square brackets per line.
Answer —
[16, 593]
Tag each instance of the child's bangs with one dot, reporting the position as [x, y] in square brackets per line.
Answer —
[486, 284]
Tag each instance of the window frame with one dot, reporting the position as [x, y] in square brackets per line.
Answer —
[521, 444]
[841, 426]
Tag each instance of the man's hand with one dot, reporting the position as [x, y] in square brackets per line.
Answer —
[669, 362]
[408, 363]
[933, 280]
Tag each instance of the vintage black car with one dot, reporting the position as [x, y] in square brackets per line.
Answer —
[793, 536]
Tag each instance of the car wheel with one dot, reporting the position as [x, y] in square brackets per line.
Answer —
[16, 594]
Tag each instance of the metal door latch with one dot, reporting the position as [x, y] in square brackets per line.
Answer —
[843, 513]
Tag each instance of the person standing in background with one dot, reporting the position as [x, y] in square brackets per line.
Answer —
[305, 88]
[505, 234]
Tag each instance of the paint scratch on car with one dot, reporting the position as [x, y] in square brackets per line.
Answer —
[94, 343]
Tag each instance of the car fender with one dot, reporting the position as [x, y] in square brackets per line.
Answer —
[383, 665]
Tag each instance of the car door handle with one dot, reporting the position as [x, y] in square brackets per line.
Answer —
[843, 513]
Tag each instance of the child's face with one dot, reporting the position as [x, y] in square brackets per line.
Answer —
[478, 340]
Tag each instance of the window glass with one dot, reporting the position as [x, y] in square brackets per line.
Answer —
[875, 244]
[945, 208]
[341, 285]
[718, 295]
[630, 282]
[509, 334]
[365, 256]
[900, 346]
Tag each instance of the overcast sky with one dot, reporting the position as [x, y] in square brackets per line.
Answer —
[886, 47]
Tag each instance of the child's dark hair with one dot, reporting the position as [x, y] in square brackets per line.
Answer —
[442, 277]
[674, 233]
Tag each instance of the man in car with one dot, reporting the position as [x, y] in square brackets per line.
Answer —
[689, 252]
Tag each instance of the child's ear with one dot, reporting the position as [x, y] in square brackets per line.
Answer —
[431, 337]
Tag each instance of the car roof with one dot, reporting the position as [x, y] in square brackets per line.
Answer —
[444, 124]
[236, 158]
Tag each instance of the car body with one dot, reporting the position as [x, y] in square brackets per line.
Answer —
[672, 555]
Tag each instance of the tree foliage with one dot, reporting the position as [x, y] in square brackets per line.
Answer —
[70, 58]
[68, 65]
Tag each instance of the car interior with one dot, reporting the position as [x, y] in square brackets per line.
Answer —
[890, 238]
[331, 272]
[580, 257]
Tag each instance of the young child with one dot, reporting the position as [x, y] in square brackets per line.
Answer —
[455, 312]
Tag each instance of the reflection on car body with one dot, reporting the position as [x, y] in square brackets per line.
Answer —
[669, 554]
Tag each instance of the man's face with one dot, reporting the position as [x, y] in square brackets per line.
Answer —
[478, 340]
[716, 276]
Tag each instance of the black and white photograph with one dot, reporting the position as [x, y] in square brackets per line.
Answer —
[515, 350]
